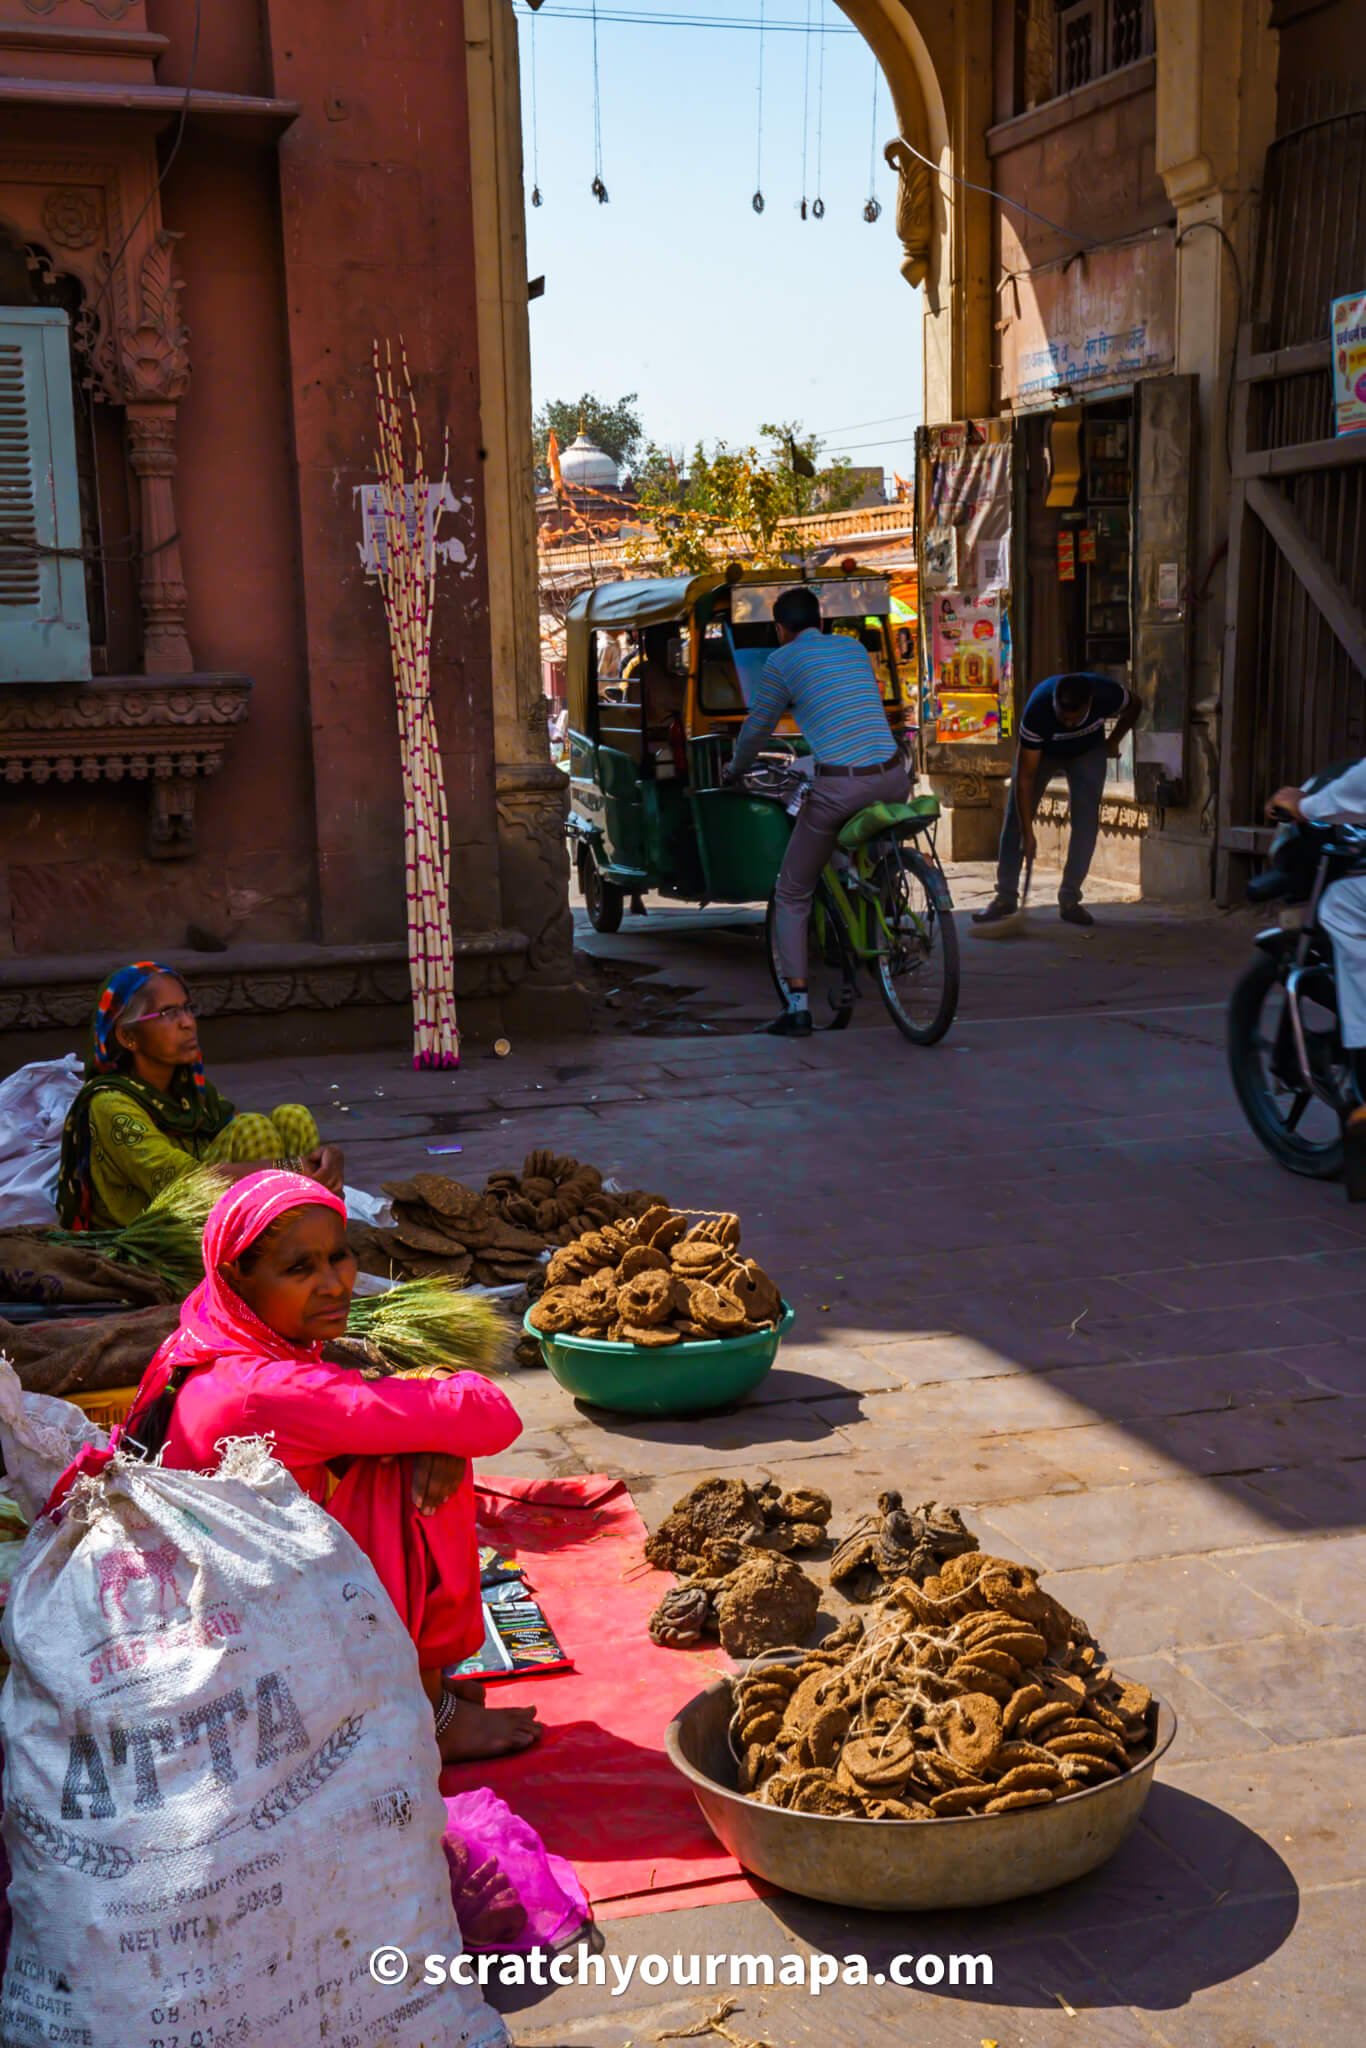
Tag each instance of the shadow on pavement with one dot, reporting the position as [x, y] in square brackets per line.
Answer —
[1146, 1930]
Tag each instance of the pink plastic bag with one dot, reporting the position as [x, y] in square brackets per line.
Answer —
[509, 1891]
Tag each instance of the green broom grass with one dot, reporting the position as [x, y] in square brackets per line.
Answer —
[433, 1326]
[421, 1326]
[167, 1239]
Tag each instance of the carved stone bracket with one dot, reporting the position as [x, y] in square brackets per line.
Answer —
[914, 212]
[165, 733]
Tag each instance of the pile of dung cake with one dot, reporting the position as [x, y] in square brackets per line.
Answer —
[496, 1237]
[972, 1692]
[657, 1279]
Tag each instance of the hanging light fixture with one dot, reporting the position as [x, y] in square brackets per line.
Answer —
[757, 202]
[536, 198]
[872, 210]
[597, 188]
[806, 103]
[818, 204]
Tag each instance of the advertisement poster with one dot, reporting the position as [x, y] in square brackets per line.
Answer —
[966, 513]
[965, 508]
[972, 679]
[1349, 363]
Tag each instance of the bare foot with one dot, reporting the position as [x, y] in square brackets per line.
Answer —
[479, 1731]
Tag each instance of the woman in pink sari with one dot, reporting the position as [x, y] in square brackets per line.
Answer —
[389, 1458]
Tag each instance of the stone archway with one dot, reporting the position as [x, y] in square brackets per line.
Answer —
[937, 62]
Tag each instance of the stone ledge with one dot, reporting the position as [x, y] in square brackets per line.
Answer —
[139, 728]
[1104, 92]
[46, 992]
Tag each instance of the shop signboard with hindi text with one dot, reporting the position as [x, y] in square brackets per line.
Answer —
[1348, 329]
[1104, 317]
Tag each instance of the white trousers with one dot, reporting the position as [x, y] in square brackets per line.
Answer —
[1343, 914]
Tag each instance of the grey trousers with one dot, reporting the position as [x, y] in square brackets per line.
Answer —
[1085, 787]
[834, 799]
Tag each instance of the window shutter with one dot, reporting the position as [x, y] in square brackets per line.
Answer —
[44, 633]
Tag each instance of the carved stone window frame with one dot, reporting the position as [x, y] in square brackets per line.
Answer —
[98, 210]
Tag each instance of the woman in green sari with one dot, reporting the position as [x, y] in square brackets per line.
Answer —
[148, 1112]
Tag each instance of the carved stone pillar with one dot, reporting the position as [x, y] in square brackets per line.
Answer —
[144, 365]
[532, 794]
[152, 455]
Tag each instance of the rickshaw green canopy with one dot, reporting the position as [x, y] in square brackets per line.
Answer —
[656, 601]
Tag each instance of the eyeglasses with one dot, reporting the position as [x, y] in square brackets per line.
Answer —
[172, 1014]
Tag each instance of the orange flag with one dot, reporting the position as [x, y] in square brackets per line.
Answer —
[552, 456]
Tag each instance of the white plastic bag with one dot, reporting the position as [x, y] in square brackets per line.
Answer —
[33, 1106]
[39, 1436]
[220, 1778]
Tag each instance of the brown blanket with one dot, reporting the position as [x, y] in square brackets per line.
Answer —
[68, 1357]
[34, 1268]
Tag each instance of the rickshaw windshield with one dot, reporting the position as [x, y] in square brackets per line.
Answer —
[734, 654]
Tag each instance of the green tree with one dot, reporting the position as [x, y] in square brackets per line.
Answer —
[733, 501]
[615, 427]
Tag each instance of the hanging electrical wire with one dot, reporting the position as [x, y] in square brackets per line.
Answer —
[872, 210]
[536, 198]
[806, 103]
[757, 202]
[597, 188]
[818, 204]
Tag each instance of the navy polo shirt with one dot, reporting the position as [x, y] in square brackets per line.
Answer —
[1041, 728]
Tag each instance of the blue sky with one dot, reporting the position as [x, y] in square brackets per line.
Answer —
[718, 317]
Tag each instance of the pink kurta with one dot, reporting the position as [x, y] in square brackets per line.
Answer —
[428, 1564]
[245, 1379]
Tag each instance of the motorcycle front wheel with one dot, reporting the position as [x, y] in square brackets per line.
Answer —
[1296, 1126]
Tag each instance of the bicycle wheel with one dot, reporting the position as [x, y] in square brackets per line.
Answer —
[829, 974]
[918, 972]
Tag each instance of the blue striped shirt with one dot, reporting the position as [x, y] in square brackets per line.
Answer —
[829, 685]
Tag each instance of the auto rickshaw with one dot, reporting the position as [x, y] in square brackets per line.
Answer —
[660, 675]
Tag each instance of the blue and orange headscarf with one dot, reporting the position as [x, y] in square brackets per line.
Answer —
[192, 1109]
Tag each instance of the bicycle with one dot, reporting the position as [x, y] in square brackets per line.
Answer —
[882, 907]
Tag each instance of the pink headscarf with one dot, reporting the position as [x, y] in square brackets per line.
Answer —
[214, 1321]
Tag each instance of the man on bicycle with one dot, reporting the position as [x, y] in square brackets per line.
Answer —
[828, 684]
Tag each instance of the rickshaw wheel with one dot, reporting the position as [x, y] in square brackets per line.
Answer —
[603, 901]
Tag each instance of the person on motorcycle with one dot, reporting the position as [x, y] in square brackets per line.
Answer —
[1342, 913]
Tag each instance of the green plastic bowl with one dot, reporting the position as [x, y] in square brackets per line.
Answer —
[674, 1379]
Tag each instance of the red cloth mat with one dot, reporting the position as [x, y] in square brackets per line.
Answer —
[598, 1787]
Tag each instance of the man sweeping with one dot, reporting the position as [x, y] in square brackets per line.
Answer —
[1062, 732]
[829, 686]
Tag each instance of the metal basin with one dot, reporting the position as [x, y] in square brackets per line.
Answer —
[906, 1865]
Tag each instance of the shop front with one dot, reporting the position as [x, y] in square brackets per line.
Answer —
[1056, 537]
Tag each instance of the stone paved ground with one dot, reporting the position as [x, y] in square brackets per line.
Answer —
[1044, 1272]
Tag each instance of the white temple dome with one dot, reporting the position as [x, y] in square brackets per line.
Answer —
[583, 462]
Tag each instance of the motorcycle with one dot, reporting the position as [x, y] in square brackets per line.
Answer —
[1295, 1080]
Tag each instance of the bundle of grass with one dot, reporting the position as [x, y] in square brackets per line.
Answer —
[167, 1239]
[432, 1327]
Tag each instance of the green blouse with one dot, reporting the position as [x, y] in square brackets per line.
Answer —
[132, 1159]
